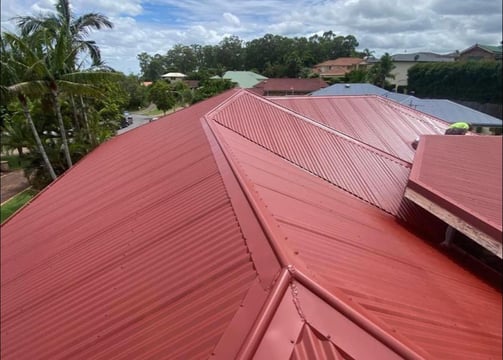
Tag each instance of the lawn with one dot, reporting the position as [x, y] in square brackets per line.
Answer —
[13, 204]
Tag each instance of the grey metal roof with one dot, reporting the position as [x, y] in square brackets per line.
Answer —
[453, 112]
[442, 109]
[422, 57]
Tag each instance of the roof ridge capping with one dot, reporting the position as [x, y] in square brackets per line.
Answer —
[326, 128]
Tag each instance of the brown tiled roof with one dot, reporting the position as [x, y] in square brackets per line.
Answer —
[342, 61]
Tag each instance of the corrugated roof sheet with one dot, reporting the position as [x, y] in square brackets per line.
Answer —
[135, 252]
[451, 169]
[362, 170]
[346, 245]
[214, 232]
[452, 112]
[372, 120]
[445, 110]
[244, 79]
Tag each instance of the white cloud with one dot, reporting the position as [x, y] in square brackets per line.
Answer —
[231, 19]
[392, 26]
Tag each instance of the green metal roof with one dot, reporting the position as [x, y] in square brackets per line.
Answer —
[491, 48]
[244, 79]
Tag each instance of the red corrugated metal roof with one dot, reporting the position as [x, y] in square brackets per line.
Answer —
[383, 270]
[135, 252]
[464, 175]
[364, 171]
[184, 239]
[381, 123]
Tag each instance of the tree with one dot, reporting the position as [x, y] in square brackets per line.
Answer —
[160, 94]
[58, 40]
[382, 70]
[75, 29]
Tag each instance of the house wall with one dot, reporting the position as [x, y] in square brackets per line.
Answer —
[400, 72]
[476, 54]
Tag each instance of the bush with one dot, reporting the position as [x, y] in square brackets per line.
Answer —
[478, 81]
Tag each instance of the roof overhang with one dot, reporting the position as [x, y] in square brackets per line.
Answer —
[458, 179]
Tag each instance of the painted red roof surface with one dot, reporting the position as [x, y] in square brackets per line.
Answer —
[375, 121]
[450, 170]
[349, 246]
[223, 231]
[372, 175]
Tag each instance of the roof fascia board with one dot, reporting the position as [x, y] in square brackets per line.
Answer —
[480, 237]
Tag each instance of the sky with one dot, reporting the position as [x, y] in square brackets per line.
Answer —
[393, 26]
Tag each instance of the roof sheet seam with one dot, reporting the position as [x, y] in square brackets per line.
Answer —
[307, 170]
[341, 135]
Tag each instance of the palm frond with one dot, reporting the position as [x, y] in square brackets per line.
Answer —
[91, 77]
[30, 88]
[74, 88]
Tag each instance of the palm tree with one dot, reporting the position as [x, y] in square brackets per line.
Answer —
[75, 29]
[65, 39]
[13, 85]
[382, 70]
[46, 64]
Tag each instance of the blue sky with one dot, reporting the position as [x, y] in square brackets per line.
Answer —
[393, 26]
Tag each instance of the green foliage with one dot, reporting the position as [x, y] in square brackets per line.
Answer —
[271, 55]
[380, 71]
[135, 92]
[15, 203]
[478, 81]
[210, 88]
[356, 76]
[160, 93]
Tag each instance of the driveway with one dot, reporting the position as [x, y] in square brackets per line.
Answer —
[12, 183]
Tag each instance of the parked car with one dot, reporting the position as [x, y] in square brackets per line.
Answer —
[153, 119]
[123, 123]
[129, 117]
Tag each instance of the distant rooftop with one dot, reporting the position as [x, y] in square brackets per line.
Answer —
[244, 79]
[423, 57]
[440, 108]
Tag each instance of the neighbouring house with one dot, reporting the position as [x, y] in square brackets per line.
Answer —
[403, 62]
[286, 86]
[481, 52]
[338, 67]
[257, 228]
[443, 109]
[173, 76]
[244, 79]
[192, 84]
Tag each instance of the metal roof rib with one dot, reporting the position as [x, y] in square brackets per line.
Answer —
[248, 229]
